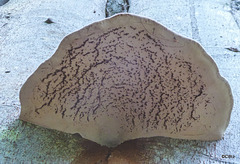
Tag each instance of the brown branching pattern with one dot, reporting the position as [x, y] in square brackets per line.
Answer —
[127, 73]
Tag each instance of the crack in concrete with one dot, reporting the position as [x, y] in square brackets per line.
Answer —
[235, 11]
[194, 24]
[235, 19]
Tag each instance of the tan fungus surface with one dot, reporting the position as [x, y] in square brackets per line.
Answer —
[128, 77]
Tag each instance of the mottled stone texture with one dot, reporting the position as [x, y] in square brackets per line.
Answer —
[128, 77]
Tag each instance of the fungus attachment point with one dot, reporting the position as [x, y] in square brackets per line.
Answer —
[128, 77]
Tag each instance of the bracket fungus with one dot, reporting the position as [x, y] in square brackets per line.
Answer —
[128, 77]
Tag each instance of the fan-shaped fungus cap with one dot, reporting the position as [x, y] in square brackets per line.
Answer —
[128, 77]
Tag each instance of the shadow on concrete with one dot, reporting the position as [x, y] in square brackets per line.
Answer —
[2, 2]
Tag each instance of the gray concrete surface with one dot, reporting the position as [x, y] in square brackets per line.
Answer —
[26, 41]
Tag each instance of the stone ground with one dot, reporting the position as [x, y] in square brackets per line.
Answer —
[26, 41]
